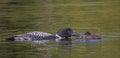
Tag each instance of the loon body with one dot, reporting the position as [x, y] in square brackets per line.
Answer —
[32, 36]
[39, 36]
[89, 36]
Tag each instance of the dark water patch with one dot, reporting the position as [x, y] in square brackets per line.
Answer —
[13, 50]
[18, 2]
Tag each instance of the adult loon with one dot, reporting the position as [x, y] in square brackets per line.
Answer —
[39, 36]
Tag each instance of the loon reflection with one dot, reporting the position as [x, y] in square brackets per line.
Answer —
[69, 41]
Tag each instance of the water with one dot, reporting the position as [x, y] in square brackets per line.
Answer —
[96, 16]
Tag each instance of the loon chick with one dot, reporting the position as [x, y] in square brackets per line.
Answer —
[90, 36]
[38, 36]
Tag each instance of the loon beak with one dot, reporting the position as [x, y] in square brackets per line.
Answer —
[75, 34]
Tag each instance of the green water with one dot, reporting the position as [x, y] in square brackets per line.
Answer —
[96, 16]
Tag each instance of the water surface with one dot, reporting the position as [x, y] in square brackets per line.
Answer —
[96, 16]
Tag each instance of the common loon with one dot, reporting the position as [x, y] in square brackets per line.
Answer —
[39, 36]
[89, 36]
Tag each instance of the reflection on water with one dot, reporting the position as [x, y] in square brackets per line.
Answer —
[96, 16]
[76, 41]
[64, 49]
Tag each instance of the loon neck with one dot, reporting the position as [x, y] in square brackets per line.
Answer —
[59, 37]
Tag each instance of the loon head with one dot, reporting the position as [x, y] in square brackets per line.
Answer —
[66, 33]
[87, 33]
